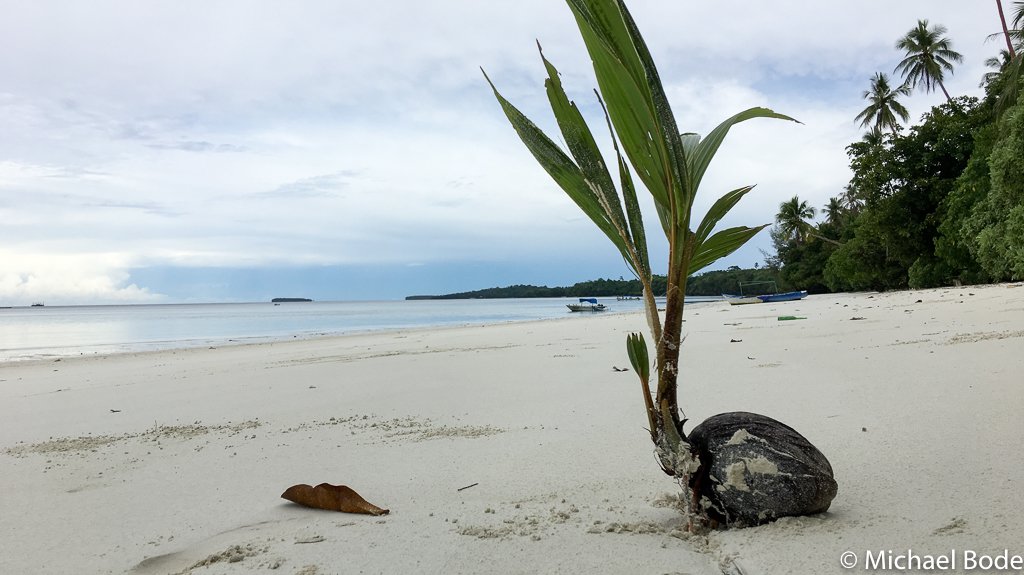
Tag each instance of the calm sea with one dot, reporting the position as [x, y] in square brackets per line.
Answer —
[61, 331]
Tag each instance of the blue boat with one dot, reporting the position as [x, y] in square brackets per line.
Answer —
[786, 296]
[586, 304]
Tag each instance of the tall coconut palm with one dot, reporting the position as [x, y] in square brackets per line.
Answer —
[1018, 21]
[929, 56]
[998, 64]
[792, 218]
[1012, 34]
[833, 211]
[792, 221]
[1006, 31]
[1009, 62]
[873, 138]
[884, 108]
[849, 201]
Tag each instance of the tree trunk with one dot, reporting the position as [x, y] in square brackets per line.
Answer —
[1006, 30]
[824, 239]
[943, 86]
[668, 348]
[669, 441]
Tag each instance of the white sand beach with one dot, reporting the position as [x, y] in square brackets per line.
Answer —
[173, 462]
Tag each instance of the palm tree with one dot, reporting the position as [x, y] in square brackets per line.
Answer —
[1006, 31]
[1018, 22]
[873, 138]
[792, 222]
[1009, 62]
[849, 201]
[1012, 35]
[833, 211]
[928, 56]
[792, 219]
[999, 64]
[884, 106]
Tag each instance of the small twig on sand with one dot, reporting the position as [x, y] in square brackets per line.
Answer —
[738, 568]
[468, 486]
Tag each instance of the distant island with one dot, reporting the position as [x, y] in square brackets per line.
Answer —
[713, 283]
[593, 288]
[288, 299]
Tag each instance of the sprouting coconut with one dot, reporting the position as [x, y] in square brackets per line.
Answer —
[742, 468]
[754, 469]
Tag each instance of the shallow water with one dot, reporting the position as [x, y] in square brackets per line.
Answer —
[61, 331]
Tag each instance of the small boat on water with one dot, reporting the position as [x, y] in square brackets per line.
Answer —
[586, 304]
[786, 296]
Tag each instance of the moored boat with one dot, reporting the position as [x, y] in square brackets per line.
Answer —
[772, 295]
[786, 296]
[586, 304]
[745, 296]
[734, 299]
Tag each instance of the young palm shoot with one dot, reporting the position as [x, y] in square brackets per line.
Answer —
[670, 165]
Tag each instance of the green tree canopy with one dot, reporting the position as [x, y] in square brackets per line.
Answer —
[995, 229]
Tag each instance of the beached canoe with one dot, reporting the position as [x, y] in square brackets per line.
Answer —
[740, 299]
[785, 296]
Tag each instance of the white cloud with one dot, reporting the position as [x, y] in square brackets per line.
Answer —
[256, 133]
[65, 279]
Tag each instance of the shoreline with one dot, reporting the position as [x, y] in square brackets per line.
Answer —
[172, 462]
[261, 324]
[176, 346]
[10, 356]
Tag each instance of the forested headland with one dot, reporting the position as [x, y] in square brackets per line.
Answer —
[712, 283]
[936, 203]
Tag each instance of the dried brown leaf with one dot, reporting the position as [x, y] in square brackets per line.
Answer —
[332, 498]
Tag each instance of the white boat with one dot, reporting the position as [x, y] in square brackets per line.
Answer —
[787, 296]
[740, 300]
[586, 304]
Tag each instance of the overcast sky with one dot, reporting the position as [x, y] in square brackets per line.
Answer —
[241, 150]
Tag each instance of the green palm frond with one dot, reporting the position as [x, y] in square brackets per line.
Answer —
[670, 165]
[884, 110]
[929, 56]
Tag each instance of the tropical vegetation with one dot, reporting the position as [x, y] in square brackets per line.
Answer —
[708, 283]
[937, 203]
[592, 288]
